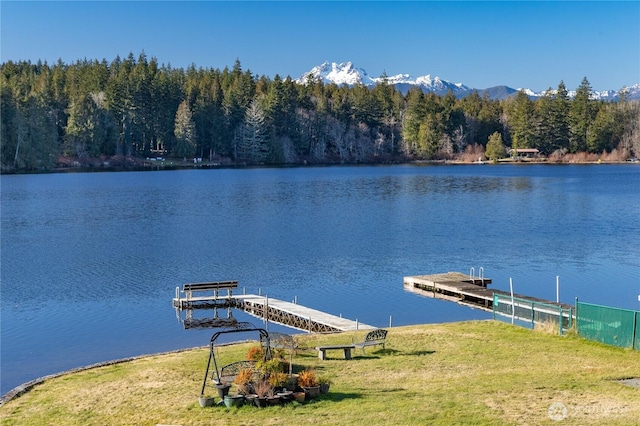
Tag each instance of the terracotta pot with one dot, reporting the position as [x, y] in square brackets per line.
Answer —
[299, 396]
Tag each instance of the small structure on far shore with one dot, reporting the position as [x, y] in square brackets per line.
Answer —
[524, 153]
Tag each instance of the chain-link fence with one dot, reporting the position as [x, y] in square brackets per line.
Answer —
[613, 326]
[532, 313]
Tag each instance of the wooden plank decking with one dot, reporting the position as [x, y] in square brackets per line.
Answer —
[453, 286]
[274, 310]
[461, 288]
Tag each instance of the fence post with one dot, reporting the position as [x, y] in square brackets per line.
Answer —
[577, 322]
[533, 315]
[513, 306]
[560, 318]
[493, 306]
[635, 329]
[570, 318]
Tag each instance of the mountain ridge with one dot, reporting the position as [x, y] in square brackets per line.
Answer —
[345, 73]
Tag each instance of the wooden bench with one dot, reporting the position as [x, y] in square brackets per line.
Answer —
[323, 349]
[214, 286]
[373, 338]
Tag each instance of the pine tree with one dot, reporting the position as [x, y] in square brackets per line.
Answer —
[581, 116]
[560, 118]
[521, 121]
[253, 146]
[544, 135]
[185, 132]
[495, 147]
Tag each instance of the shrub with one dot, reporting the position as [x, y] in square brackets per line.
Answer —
[263, 389]
[243, 381]
[266, 368]
[307, 379]
[278, 380]
[255, 353]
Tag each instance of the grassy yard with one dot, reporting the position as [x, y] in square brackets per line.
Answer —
[480, 372]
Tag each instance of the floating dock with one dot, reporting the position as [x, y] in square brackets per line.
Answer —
[266, 308]
[473, 292]
[455, 287]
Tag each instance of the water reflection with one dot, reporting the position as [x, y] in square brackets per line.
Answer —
[84, 254]
[207, 318]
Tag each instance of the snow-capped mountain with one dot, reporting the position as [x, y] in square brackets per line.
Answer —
[347, 73]
[344, 73]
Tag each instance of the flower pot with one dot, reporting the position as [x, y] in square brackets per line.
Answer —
[233, 400]
[286, 395]
[299, 396]
[250, 399]
[273, 400]
[206, 401]
[312, 392]
[324, 388]
[260, 402]
[223, 390]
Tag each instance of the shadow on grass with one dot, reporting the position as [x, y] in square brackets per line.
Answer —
[420, 353]
[377, 354]
[339, 396]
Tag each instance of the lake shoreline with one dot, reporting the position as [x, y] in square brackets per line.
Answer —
[26, 387]
[138, 165]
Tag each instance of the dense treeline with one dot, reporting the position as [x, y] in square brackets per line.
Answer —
[136, 108]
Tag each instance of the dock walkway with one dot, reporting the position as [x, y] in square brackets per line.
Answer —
[273, 310]
[473, 292]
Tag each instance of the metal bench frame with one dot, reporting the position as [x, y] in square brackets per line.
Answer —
[373, 338]
[229, 372]
[214, 286]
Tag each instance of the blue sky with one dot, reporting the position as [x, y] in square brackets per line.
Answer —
[480, 44]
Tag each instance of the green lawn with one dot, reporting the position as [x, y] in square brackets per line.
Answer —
[480, 372]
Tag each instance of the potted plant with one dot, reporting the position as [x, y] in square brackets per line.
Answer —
[233, 400]
[223, 389]
[299, 396]
[308, 381]
[206, 400]
[263, 389]
[325, 382]
[278, 380]
[243, 381]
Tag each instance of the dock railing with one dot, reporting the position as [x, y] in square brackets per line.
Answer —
[532, 312]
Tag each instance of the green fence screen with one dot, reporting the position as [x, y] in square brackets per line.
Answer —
[636, 342]
[613, 326]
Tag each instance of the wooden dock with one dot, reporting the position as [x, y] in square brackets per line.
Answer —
[455, 287]
[270, 310]
[473, 292]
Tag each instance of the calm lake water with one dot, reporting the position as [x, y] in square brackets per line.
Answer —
[90, 261]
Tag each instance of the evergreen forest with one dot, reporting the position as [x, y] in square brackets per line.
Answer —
[129, 110]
